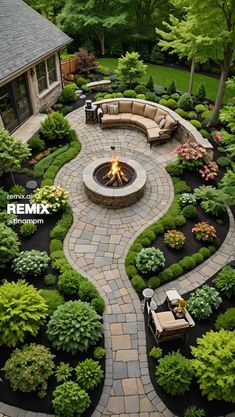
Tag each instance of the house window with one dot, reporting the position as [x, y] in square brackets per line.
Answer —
[41, 76]
[46, 73]
[51, 69]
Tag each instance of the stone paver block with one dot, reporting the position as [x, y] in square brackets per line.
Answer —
[127, 355]
[121, 342]
[132, 404]
[116, 405]
[130, 386]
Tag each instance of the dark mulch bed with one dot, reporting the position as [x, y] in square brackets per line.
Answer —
[193, 397]
[40, 241]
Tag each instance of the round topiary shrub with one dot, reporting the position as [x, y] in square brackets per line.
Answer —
[214, 365]
[81, 81]
[70, 400]
[187, 263]
[200, 108]
[74, 326]
[202, 302]
[129, 94]
[196, 124]
[141, 96]
[182, 113]
[87, 291]
[172, 104]
[192, 115]
[186, 102]
[150, 260]
[189, 212]
[174, 373]
[54, 196]
[187, 199]
[22, 312]
[140, 89]
[9, 247]
[89, 374]
[204, 133]
[154, 282]
[138, 283]
[99, 353]
[163, 102]
[69, 282]
[32, 262]
[55, 126]
[29, 368]
[49, 279]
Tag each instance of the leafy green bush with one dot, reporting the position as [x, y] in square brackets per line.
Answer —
[205, 252]
[225, 281]
[150, 84]
[138, 283]
[194, 412]
[226, 320]
[141, 96]
[204, 133]
[98, 304]
[150, 96]
[202, 301]
[174, 373]
[87, 291]
[187, 199]
[28, 229]
[68, 94]
[157, 56]
[150, 260]
[171, 103]
[53, 300]
[54, 196]
[3, 198]
[186, 102]
[189, 212]
[36, 143]
[223, 161]
[192, 115]
[22, 311]
[211, 199]
[181, 187]
[65, 110]
[129, 94]
[74, 326]
[69, 282]
[17, 190]
[196, 123]
[29, 368]
[187, 263]
[201, 92]
[80, 81]
[7, 219]
[172, 88]
[63, 372]
[214, 366]
[32, 262]
[89, 374]
[174, 169]
[156, 353]
[140, 89]
[163, 101]
[70, 400]
[49, 279]
[182, 113]
[200, 108]
[159, 90]
[9, 247]
[176, 270]
[99, 353]
[56, 245]
[55, 126]
[154, 282]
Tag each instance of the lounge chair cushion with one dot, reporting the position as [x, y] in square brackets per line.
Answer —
[138, 108]
[125, 106]
[150, 111]
[111, 118]
[175, 324]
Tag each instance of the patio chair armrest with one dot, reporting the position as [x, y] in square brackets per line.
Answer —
[100, 112]
[189, 319]
[156, 322]
[163, 131]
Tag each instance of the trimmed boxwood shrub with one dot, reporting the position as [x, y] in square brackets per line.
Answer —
[29, 368]
[138, 283]
[189, 212]
[176, 270]
[55, 127]
[154, 282]
[192, 115]
[129, 94]
[141, 96]
[186, 102]
[196, 123]
[171, 103]
[223, 161]
[200, 108]
[204, 133]
[140, 89]
[174, 169]
[74, 326]
[69, 282]
[226, 320]
[89, 374]
[182, 113]
[188, 263]
[70, 400]
[166, 275]
[174, 373]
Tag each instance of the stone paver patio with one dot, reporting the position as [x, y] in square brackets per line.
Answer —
[96, 246]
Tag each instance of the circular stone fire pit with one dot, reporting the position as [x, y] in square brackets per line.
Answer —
[114, 184]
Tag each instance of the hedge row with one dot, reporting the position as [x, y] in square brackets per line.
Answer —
[170, 220]
[60, 160]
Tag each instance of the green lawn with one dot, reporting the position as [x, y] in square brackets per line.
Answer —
[164, 75]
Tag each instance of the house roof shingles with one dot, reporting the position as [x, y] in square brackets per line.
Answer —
[25, 37]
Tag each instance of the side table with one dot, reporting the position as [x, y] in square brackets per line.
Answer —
[91, 114]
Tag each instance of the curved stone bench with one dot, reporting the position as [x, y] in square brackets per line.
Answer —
[185, 131]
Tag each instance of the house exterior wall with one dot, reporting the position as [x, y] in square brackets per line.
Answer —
[48, 97]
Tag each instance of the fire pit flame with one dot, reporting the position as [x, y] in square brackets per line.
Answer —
[115, 173]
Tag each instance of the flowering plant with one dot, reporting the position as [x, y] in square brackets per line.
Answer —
[217, 136]
[56, 197]
[204, 231]
[209, 171]
[191, 155]
[202, 301]
[150, 260]
[32, 262]
[174, 239]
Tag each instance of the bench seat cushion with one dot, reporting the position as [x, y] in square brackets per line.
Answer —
[153, 133]
[126, 117]
[111, 118]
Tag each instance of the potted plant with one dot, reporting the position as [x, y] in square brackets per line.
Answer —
[179, 310]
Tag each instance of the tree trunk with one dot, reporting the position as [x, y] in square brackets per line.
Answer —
[101, 37]
[221, 90]
[190, 86]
